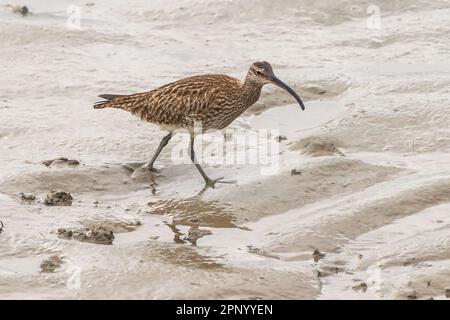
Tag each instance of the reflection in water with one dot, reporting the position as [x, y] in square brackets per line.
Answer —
[194, 233]
[176, 233]
[195, 212]
[188, 257]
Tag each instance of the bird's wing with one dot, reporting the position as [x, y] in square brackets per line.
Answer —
[179, 103]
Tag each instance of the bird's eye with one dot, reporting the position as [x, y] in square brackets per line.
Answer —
[259, 73]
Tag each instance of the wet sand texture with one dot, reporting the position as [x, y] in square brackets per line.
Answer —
[358, 208]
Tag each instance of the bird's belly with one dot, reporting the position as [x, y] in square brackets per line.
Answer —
[200, 123]
[170, 127]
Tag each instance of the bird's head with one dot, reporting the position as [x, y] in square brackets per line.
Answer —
[262, 73]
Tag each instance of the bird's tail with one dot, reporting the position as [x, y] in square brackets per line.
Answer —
[106, 103]
[131, 103]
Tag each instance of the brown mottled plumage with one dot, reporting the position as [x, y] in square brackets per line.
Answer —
[213, 100]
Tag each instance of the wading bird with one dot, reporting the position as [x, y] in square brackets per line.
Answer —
[213, 100]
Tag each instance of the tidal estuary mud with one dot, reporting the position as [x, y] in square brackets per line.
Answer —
[356, 207]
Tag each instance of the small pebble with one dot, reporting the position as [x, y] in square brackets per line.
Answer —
[97, 235]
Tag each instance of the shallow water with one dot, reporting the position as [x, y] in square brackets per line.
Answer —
[377, 213]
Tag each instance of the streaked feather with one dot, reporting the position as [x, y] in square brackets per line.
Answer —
[215, 100]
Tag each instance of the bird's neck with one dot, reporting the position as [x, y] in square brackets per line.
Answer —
[251, 90]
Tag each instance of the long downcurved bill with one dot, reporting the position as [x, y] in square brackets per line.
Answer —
[284, 86]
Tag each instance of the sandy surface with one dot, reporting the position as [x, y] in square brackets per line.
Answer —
[371, 190]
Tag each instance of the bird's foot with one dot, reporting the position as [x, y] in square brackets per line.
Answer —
[212, 183]
[152, 169]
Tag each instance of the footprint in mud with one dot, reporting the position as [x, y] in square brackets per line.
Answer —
[60, 161]
[317, 147]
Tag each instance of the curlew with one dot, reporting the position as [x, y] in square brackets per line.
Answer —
[212, 100]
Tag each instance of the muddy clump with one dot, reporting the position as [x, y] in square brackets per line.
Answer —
[98, 235]
[27, 197]
[60, 161]
[20, 10]
[411, 262]
[413, 295]
[317, 255]
[58, 198]
[360, 287]
[280, 138]
[113, 226]
[317, 147]
[51, 264]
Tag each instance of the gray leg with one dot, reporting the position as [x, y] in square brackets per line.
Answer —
[208, 181]
[162, 144]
